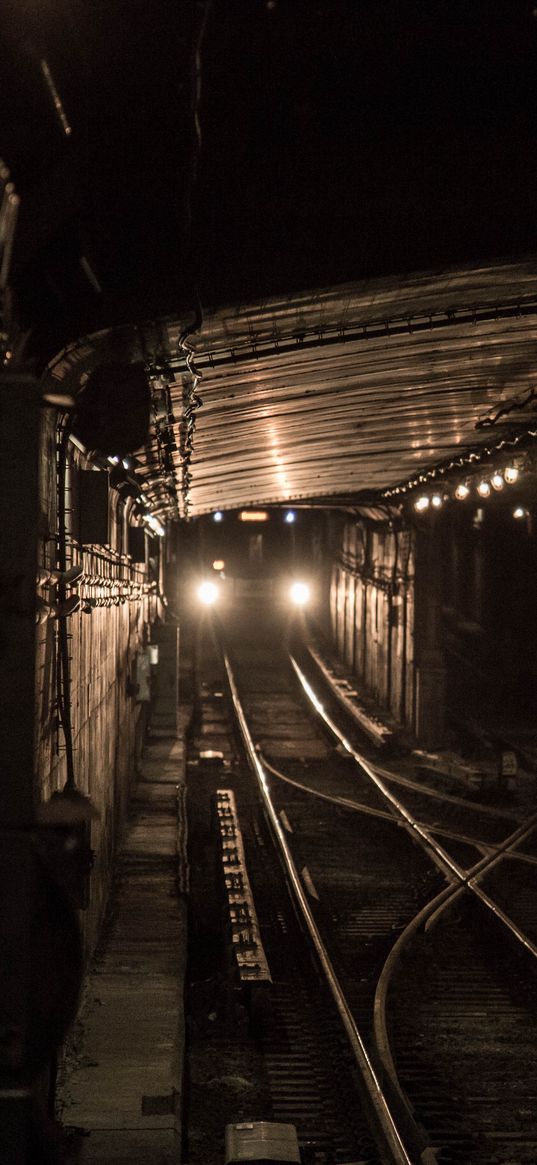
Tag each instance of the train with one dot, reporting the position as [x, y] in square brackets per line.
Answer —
[249, 556]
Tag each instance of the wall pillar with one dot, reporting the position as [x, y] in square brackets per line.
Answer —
[430, 671]
[20, 408]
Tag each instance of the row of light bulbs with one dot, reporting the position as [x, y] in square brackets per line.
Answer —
[485, 486]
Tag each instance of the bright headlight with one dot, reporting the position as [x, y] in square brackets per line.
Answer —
[299, 594]
[207, 593]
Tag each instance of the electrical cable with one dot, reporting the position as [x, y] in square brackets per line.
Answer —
[191, 399]
[516, 402]
[63, 670]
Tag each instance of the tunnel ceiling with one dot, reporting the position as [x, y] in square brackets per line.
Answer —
[337, 396]
[244, 154]
[346, 392]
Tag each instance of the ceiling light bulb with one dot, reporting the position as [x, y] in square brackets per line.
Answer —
[483, 489]
[421, 503]
[462, 491]
[497, 480]
[511, 474]
[519, 512]
[436, 501]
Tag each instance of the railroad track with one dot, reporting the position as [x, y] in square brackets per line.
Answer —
[350, 868]
[470, 1068]
[295, 1068]
[463, 1040]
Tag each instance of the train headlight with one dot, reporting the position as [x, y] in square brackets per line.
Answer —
[299, 594]
[207, 593]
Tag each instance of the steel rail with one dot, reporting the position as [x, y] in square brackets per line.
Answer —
[449, 798]
[436, 851]
[345, 802]
[384, 1117]
[427, 917]
[496, 852]
[380, 1027]
[344, 699]
[359, 807]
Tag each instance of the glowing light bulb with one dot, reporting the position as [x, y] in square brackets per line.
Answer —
[207, 593]
[218, 516]
[497, 480]
[299, 593]
[483, 489]
[421, 503]
[462, 491]
[436, 501]
[290, 516]
[511, 474]
[519, 512]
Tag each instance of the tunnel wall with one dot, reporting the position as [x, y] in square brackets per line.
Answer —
[488, 578]
[108, 718]
[372, 613]
[438, 620]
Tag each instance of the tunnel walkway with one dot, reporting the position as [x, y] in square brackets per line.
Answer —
[122, 1081]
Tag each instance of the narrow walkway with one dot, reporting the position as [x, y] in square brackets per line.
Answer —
[123, 1082]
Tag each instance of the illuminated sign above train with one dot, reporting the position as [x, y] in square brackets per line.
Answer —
[253, 516]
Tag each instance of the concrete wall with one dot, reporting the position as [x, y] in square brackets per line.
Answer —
[439, 620]
[107, 719]
[372, 613]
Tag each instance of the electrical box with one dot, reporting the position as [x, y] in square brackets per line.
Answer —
[93, 508]
[261, 1141]
[136, 543]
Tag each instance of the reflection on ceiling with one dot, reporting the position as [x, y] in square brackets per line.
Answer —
[335, 393]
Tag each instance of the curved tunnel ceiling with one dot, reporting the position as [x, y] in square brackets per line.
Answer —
[341, 393]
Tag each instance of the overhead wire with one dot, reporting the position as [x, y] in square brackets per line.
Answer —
[191, 398]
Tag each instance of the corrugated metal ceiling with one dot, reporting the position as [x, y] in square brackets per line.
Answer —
[328, 395]
[350, 390]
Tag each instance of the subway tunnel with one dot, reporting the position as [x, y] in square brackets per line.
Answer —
[268, 316]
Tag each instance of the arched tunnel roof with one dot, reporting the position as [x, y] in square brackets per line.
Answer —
[333, 394]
